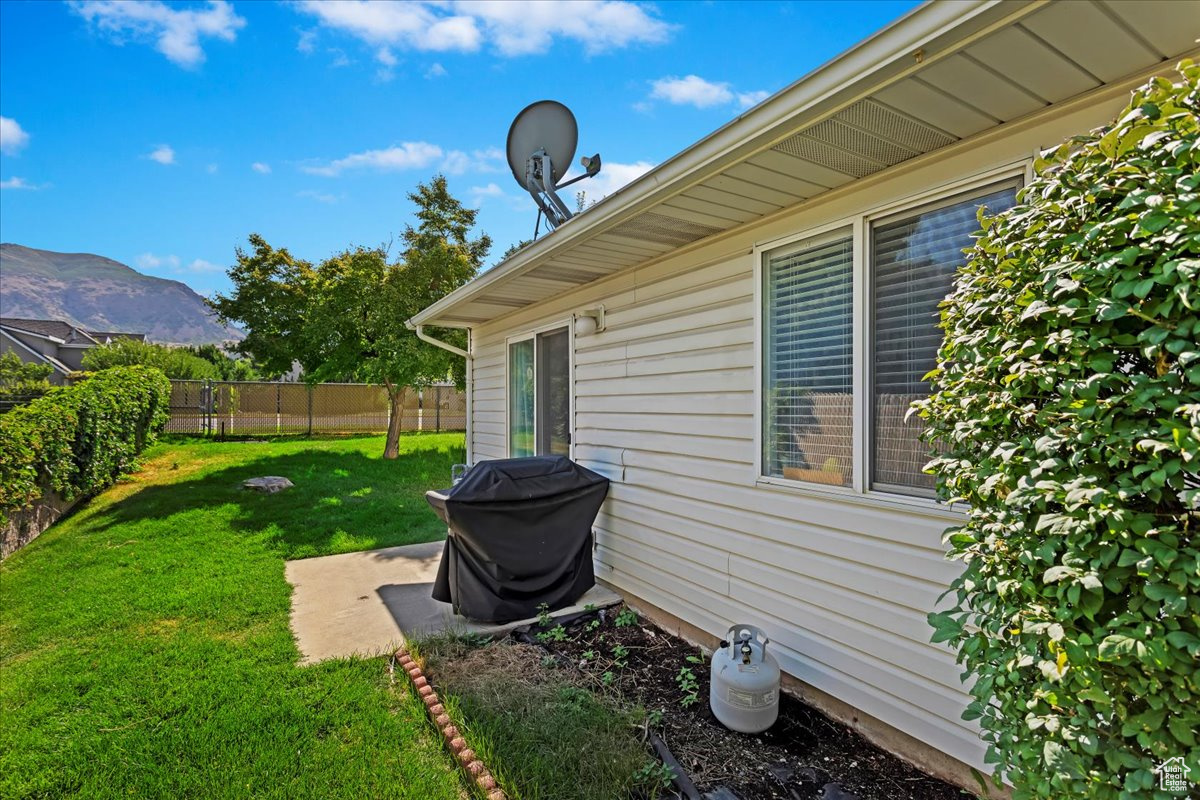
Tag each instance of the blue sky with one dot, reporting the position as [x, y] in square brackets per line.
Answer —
[161, 135]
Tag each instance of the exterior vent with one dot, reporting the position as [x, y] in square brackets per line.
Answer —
[662, 229]
[864, 138]
[803, 146]
[877, 118]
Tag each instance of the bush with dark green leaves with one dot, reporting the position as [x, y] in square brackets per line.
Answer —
[1067, 413]
[22, 381]
[77, 440]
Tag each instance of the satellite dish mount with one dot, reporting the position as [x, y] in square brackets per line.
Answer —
[541, 144]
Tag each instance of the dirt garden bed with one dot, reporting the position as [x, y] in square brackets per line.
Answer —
[804, 756]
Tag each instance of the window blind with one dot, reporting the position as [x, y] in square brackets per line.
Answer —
[913, 262]
[807, 356]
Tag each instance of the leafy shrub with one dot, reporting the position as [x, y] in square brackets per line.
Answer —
[174, 362]
[1068, 403]
[77, 440]
[19, 380]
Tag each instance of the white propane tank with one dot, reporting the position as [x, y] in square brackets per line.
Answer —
[744, 687]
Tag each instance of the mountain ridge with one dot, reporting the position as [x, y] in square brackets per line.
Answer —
[100, 293]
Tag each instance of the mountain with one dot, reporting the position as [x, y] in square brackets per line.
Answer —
[98, 293]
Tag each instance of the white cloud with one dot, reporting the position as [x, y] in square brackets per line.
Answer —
[435, 70]
[458, 162]
[261, 168]
[176, 33]
[320, 197]
[307, 42]
[163, 154]
[523, 28]
[340, 59]
[200, 265]
[151, 261]
[478, 194]
[691, 90]
[409, 155]
[211, 169]
[511, 27]
[12, 136]
[19, 183]
[385, 56]
[612, 176]
[747, 99]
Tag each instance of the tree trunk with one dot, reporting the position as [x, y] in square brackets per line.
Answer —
[396, 406]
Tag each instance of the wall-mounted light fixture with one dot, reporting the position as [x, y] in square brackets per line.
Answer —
[589, 321]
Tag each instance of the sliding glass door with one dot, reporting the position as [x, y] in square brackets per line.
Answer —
[539, 395]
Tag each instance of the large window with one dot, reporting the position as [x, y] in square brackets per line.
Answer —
[539, 395]
[807, 360]
[913, 260]
[809, 382]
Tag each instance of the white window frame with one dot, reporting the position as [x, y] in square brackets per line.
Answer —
[859, 490]
[531, 333]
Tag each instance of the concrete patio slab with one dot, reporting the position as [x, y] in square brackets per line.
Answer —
[365, 603]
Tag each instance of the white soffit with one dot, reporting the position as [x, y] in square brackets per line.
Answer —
[981, 64]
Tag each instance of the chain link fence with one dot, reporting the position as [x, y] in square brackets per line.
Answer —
[246, 408]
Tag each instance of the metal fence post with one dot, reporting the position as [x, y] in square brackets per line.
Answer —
[438, 425]
[310, 407]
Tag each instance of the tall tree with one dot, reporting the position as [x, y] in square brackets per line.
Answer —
[271, 293]
[345, 319]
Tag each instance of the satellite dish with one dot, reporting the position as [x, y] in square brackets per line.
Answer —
[545, 125]
[541, 146]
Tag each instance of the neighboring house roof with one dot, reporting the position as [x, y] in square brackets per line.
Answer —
[944, 73]
[13, 341]
[65, 332]
[107, 336]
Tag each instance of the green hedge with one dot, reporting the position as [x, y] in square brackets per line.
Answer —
[1067, 399]
[77, 440]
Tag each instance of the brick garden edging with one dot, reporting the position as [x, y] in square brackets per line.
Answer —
[466, 757]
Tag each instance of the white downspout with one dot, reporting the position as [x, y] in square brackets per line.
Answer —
[470, 357]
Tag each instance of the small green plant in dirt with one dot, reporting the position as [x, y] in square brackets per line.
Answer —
[620, 655]
[556, 634]
[608, 677]
[591, 626]
[588, 655]
[688, 684]
[655, 775]
[590, 607]
[654, 718]
[626, 617]
[543, 616]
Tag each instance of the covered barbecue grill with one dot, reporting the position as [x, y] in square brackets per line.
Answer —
[520, 535]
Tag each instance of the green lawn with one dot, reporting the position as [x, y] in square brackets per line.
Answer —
[144, 641]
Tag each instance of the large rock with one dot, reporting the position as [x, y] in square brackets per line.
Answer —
[268, 484]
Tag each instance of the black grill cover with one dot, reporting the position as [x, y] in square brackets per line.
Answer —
[520, 536]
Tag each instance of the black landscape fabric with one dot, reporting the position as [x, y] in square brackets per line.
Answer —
[520, 536]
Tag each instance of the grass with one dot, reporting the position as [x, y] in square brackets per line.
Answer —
[144, 641]
[543, 734]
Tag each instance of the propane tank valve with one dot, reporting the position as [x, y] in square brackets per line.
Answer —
[746, 651]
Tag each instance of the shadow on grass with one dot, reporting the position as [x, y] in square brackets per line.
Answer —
[341, 501]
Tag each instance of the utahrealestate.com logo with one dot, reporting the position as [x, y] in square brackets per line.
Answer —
[1173, 775]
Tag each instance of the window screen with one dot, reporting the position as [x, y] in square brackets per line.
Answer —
[913, 262]
[807, 396]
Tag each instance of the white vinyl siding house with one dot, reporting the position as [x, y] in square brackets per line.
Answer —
[768, 302]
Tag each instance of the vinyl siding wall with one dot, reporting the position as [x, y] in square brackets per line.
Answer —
[665, 406]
